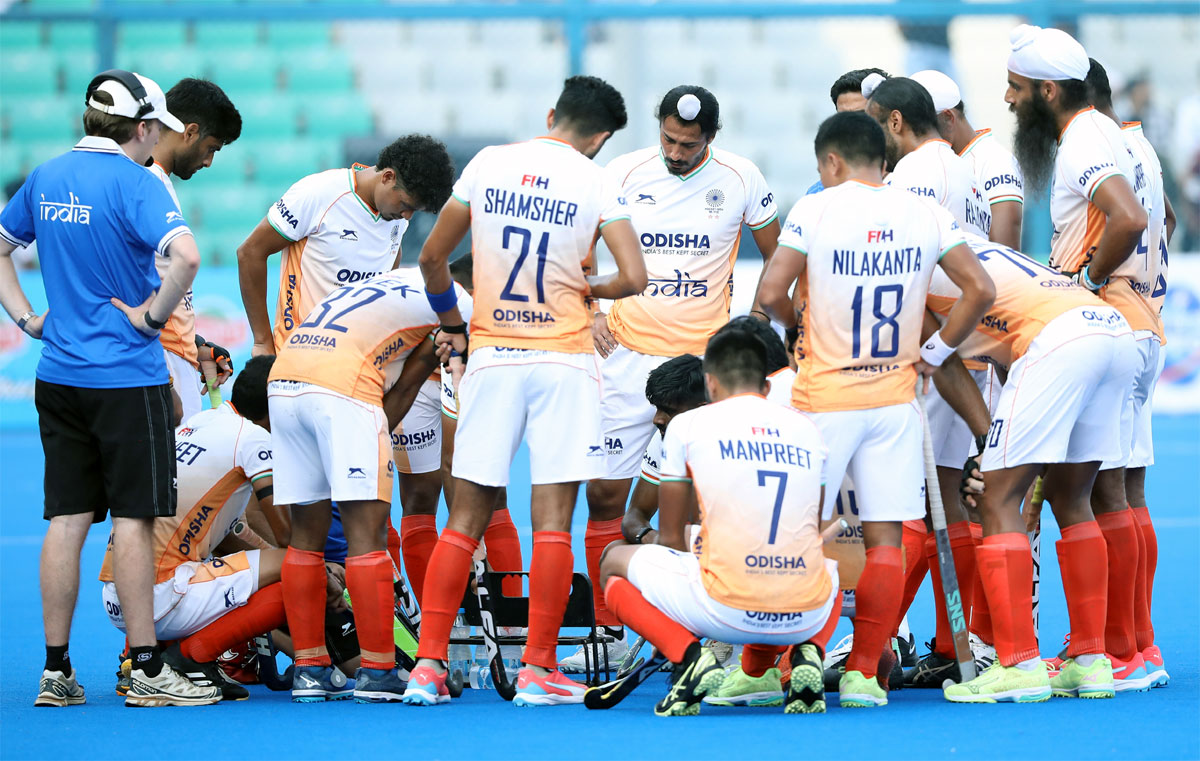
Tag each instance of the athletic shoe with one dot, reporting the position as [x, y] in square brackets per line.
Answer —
[316, 684]
[932, 671]
[835, 662]
[426, 687]
[1155, 667]
[378, 686]
[123, 675]
[203, 674]
[59, 690]
[1131, 675]
[858, 691]
[169, 688]
[984, 654]
[576, 663]
[806, 688]
[888, 672]
[693, 678]
[1075, 681]
[240, 663]
[724, 652]
[741, 689]
[553, 689]
[908, 651]
[1002, 684]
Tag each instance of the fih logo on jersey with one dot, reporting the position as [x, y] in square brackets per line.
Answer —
[72, 212]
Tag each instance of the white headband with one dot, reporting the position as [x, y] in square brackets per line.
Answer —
[940, 87]
[870, 82]
[688, 107]
[1052, 54]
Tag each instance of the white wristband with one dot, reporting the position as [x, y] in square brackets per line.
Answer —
[934, 351]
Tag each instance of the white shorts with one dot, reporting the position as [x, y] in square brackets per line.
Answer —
[627, 419]
[186, 381]
[1138, 403]
[952, 439]
[670, 581]
[449, 398]
[881, 449]
[326, 445]
[197, 595]
[1062, 400]
[417, 441]
[550, 399]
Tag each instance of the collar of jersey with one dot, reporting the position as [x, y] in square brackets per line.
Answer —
[865, 184]
[746, 394]
[1131, 125]
[354, 192]
[552, 141]
[979, 134]
[1073, 118]
[694, 172]
[94, 144]
[933, 140]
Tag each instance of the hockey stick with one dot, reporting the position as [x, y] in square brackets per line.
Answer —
[937, 512]
[1035, 548]
[268, 671]
[630, 661]
[609, 694]
[487, 615]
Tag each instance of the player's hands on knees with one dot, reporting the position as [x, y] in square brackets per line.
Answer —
[602, 336]
[263, 347]
[137, 314]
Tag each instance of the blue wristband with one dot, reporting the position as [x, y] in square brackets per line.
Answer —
[442, 302]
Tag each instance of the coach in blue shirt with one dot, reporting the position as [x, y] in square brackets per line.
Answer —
[102, 394]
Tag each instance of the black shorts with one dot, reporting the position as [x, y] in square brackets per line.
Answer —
[107, 450]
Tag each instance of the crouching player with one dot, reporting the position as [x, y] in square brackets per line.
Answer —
[754, 475]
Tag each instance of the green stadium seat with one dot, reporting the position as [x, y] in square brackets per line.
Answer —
[19, 157]
[218, 248]
[266, 116]
[78, 69]
[227, 35]
[72, 35]
[319, 73]
[62, 5]
[250, 72]
[235, 210]
[166, 66]
[46, 119]
[347, 115]
[17, 36]
[29, 73]
[279, 163]
[12, 161]
[284, 35]
[137, 37]
[228, 169]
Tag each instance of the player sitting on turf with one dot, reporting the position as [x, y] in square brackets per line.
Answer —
[753, 475]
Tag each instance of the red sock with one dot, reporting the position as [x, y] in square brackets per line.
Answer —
[823, 636]
[1147, 563]
[449, 566]
[369, 579]
[756, 659]
[393, 545]
[1006, 569]
[1121, 539]
[1083, 562]
[261, 614]
[504, 550]
[877, 606]
[981, 614]
[419, 537]
[303, 583]
[599, 535]
[962, 547]
[631, 609]
[550, 572]
[915, 565]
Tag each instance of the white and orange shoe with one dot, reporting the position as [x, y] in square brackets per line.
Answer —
[1155, 668]
[1130, 675]
[553, 689]
[426, 687]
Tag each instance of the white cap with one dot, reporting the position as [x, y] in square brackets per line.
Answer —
[1052, 54]
[870, 82]
[940, 87]
[688, 107]
[125, 104]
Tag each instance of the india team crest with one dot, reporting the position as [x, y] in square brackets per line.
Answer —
[715, 198]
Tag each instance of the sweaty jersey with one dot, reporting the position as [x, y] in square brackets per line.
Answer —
[356, 340]
[179, 335]
[1147, 268]
[219, 456]
[996, 171]
[1028, 296]
[336, 239]
[1091, 150]
[871, 250]
[757, 471]
[935, 172]
[535, 208]
[689, 227]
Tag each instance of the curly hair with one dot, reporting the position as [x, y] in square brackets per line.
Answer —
[422, 166]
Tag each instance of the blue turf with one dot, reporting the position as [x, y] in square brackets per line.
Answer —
[917, 724]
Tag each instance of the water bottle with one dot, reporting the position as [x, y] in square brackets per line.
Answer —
[481, 678]
[460, 655]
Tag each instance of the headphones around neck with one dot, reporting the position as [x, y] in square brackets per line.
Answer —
[130, 82]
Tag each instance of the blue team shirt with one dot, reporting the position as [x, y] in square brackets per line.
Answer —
[816, 187]
[99, 220]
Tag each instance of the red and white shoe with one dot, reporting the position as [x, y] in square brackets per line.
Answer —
[426, 687]
[1155, 668]
[239, 663]
[552, 689]
[1130, 675]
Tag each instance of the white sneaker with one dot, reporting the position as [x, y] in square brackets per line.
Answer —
[839, 652]
[169, 688]
[576, 663]
[984, 654]
[57, 689]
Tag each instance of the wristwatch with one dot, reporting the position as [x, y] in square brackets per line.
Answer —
[637, 539]
[25, 318]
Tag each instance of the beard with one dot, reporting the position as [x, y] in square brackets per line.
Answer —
[1036, 142]
[891, 151]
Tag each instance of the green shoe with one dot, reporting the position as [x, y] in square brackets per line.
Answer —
[1002, 684]
[695, 676]
[858, 691]
[741, 689]
[806, 690]
[1075, 681]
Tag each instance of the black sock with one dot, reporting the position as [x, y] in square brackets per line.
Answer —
[614, 631]
[147, 659]
[58, 659]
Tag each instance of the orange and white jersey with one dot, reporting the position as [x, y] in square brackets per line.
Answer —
[179, 335]
[219, 455]
[690, 227]
[757, 471]
[935, 172]
[871, 250]
[336, 239]
[1147, 268]
[535, 207]
[1028, 296]
[997, 173]
[1091, 149]
[356, 340]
